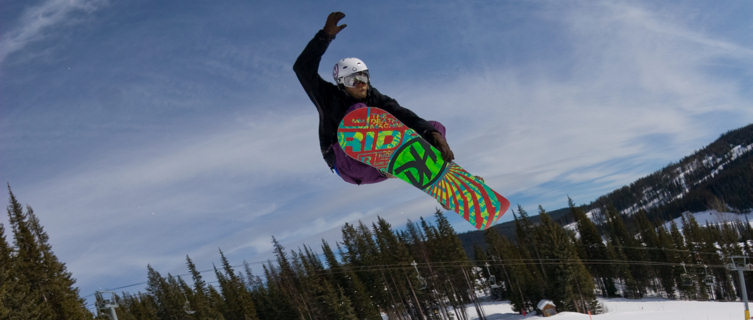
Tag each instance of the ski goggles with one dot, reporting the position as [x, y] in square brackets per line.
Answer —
[351, 80]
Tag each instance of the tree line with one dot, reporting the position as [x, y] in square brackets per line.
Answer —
[618, 257]
[419, 271]
[422, 272]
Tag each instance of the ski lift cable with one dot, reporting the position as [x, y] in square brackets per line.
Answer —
[443, 265]
[455, 264]
[668, 249]
[178, 275]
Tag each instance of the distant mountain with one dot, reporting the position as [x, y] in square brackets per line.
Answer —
[717, 177]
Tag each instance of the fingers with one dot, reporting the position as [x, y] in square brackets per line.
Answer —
[335, 17]
[443, 147]
[331, 26]
[448, 155]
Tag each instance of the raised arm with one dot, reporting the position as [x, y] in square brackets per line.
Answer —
[306, 67]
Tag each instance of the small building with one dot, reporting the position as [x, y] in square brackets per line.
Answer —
[547, 307]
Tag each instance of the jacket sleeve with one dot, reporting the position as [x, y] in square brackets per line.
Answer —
[406, 116]
[306, 67]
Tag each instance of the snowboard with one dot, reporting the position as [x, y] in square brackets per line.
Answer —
[375, 137]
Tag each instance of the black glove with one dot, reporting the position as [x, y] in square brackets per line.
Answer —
[331, 27]
[441, 144]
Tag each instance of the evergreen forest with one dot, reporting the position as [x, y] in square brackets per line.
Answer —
[417, 271]
[422, 272]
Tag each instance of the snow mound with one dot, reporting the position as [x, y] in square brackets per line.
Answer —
[627, 309]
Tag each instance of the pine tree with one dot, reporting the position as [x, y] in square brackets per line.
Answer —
[681, 256]
[217, 302]
[592, 249]
[524, 288]
[337, 304]
[402, 282]
[447, 250]
[569, 284]
[310, 286]
[627, 249]
[60, 292]
[289, 282]
[199, 294]
[451, 246]
[272, 302]
[731, 238]
[706, 254]
[334, 268]
[347, 281]
[28, 301]
[361, 254]
[527, 243]
[41, 286]
[327, 298]
[650, 238]
[666, 255]
[238, 301]
[167, 294]
[694, 240]
[5, 275]
[138, 307]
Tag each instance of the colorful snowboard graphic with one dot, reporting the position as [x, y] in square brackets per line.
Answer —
[375, 137]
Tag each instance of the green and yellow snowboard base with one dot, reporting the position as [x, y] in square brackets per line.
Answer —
[375, 137]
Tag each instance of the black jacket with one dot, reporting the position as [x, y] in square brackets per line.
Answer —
[332, 102]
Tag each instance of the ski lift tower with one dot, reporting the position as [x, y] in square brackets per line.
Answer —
[108, 306]
[740, 263]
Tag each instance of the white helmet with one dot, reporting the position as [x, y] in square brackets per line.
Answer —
[348, 67]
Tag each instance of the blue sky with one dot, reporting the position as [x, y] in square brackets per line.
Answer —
[145, 131]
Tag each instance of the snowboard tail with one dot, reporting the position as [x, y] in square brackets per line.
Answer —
[375, 137]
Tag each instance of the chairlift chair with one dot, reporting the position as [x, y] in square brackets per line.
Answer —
[187, 306]
[709, 278]
[686, 280]
[421, 283]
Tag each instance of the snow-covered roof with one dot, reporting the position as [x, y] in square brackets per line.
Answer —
[543, 304]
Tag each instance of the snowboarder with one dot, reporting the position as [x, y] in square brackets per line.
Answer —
[352, 87]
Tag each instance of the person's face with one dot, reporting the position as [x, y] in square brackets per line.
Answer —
[358, 91]
[357, 85]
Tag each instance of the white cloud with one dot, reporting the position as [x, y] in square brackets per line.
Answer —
[634, 77]
[38, 21]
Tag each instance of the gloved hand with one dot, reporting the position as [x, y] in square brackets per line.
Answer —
[444, 148]
[331, 27]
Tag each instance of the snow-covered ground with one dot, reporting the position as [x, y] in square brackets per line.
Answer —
[703, 218]
[713, 217]
[626, 309]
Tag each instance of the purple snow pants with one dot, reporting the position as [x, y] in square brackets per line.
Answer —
[356, 172]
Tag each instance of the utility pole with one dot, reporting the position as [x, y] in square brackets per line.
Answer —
[740, 263]
[418, 303]
[107, 305]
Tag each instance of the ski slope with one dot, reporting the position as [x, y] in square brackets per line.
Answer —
[626, 309]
